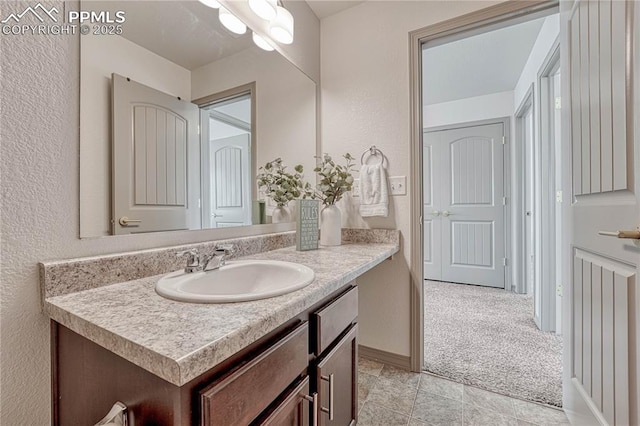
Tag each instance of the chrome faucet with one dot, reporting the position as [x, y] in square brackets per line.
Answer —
[197, 262]
[221, 253]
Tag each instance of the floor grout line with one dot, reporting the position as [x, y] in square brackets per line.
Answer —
[415, 398]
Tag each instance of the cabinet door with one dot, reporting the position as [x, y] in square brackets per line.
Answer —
[339, 370]
[293, 410]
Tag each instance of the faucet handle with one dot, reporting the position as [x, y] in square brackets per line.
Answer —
[193, 259]
[193, 254]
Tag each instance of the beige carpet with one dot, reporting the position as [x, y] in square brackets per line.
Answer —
[486, 338]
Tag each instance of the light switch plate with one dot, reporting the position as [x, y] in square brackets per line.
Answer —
[398, 185]
[355, 188]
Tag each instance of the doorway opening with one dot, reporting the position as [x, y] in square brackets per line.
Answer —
[490, 99]
[228, 155]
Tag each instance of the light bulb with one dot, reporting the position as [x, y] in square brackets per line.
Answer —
[266, 9]
[281, 28]
[231, 22]
[211, 3]
[261, 42]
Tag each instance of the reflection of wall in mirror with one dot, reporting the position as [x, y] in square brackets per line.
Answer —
[101, 56]
[285, 103]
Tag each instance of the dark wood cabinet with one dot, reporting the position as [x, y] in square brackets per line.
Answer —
[243, 394]
[273, 381]
[294, 409]
[333, 319]
[336, 375]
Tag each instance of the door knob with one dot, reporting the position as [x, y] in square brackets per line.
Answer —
[435, 213]
[446, 213]
[125, 221]
[216, 215]
[634, 235]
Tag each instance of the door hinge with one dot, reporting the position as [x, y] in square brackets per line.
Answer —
[421, 219]
[505, 261]
[558, 102]
[198, 129]
[504, 201]
[559, 290]
[504, 140]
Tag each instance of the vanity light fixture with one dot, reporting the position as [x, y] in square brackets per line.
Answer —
[261, 42]
[231, 22]
[266, 9]
[211, 3]
[281, 28]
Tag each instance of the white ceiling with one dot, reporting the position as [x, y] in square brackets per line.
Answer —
[324, 8]
[480, 65]
[185, 32]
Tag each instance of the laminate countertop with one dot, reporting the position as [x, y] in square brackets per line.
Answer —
[179, 341]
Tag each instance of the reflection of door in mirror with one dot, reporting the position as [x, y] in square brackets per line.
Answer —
[226, 162]
[156, 174]
[204, 65]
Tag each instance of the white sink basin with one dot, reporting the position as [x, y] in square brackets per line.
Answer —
[237, 281]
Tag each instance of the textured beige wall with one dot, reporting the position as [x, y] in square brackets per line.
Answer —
[365, 101]
[39, 205]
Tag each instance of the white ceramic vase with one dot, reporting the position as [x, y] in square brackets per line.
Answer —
[281, 214]
[330, 226]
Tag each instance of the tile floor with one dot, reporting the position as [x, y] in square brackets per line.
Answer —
[390, 396]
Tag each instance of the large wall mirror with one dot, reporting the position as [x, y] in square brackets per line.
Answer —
[177, 114]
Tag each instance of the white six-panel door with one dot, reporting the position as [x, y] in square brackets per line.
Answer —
[464, 211]
[601, 363]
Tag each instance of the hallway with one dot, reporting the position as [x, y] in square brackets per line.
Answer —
[486, 337]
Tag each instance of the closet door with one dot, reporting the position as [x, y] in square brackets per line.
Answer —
[432, 174]
[464, 229]
[473, 242]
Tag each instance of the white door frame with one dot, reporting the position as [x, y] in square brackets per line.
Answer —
[506, 126]
[482, 21]
[549, 257]
[235, 92]
[520, 261]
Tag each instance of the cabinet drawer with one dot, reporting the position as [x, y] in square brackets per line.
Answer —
[241, 396]
[333, 319]
[292, 410]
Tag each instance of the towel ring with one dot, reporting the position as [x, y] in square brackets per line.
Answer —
[373, 152]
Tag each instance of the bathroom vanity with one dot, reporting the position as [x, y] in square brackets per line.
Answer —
[290, 359]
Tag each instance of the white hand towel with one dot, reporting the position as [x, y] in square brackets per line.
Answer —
[115, 417]
[374, 195]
